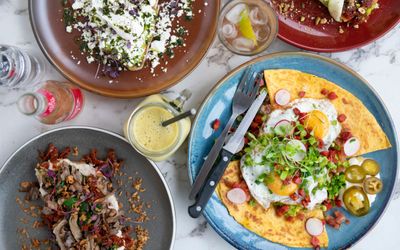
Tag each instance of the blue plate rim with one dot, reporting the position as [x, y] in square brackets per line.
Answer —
[156, 168]
[313, 56]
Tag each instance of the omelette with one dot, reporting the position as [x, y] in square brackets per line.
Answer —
[303, 159]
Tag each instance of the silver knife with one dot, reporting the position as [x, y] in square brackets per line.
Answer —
[232, 147]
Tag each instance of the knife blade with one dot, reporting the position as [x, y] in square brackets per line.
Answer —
[231, 148]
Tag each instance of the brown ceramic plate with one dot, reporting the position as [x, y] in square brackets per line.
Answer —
[61, 50]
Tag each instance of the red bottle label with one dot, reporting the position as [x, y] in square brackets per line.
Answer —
[51, 102]
[78, 103]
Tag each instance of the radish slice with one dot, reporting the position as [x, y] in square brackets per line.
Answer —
[282, 97]
[314, 226]
[283, 122]
[283, 127]
[237, 195]
[351, 146]
[300, 150]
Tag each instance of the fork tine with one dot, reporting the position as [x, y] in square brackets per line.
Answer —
[250, 83]
[256, 85]
[245, 78]
[255, 91]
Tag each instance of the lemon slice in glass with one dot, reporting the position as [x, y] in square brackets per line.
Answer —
[245, 26]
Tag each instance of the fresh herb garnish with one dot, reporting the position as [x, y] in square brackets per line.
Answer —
[70, 202]
[275, 152]
[337, 183]
[261, 178]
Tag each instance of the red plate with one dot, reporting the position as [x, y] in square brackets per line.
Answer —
[326, 38]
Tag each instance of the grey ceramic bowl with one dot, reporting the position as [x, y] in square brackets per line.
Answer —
[20, 167]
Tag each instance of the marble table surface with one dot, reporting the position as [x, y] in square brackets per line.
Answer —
[378, 62]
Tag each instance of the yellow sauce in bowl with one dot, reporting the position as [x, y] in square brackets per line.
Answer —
[145, 133]
[148, 132]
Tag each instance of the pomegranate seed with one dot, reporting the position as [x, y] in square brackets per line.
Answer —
[345, 135]
[278, 213]
[285, 208]
[296, 111]
[254, 125]
[294, 196]
[304, 203]
[282, 210]
[341, 118]
[347, 221]
[301, 192]
[324, 91]
[338, 203]
[216, 124]
[296, 179]
[286, 181]
[300, 216]
[332, 96]
[324, 153]
[327, 204]
[258, 119]
[315, 242]
[289, 218]
[320, 143]
[302, 94]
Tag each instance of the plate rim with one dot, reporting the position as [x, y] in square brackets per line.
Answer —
[313, 56]
[152, 163]
[338, 49]
[123, 94]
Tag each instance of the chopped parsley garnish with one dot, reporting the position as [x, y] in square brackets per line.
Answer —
[337, 183]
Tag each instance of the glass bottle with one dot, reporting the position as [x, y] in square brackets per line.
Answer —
[19, 69]
[53, 102]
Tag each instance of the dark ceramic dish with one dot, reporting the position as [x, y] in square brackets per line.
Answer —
[20, 167]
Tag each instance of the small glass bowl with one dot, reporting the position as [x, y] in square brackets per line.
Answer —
[155, 156]
[269, 13]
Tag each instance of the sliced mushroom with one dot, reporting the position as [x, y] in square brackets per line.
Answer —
[57, 233]
[69, 240]
[50, 203]
[65, 173]
[73, 225]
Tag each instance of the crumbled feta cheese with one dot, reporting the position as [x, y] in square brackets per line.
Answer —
[128, 32]
[68, 29]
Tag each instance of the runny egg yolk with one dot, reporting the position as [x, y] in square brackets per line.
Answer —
[318, 122]
[275, 184]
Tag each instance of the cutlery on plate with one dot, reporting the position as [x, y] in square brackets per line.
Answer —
[241, 102]
[232, 147]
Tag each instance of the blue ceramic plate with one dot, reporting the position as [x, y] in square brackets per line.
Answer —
[218, 105]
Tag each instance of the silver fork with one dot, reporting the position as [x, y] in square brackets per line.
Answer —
[244, 96]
